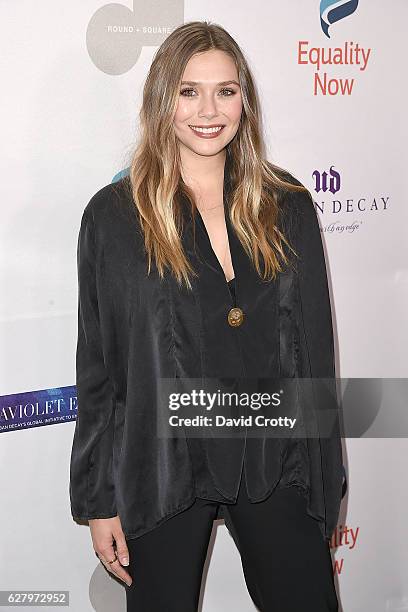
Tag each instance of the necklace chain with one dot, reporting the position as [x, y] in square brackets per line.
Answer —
[211, 208]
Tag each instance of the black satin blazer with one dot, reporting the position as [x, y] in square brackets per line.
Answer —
[134, 328]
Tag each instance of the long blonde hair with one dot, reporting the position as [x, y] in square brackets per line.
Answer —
[155, 180]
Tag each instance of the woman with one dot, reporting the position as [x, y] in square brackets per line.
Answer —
[205, 262]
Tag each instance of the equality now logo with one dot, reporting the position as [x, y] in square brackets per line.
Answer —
[332, 11]
[344, 57]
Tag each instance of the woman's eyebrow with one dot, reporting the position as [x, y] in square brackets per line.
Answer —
[222, 83]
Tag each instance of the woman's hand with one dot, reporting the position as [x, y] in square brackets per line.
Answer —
[104, 533]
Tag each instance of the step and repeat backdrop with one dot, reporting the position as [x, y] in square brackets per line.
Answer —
[332, 81]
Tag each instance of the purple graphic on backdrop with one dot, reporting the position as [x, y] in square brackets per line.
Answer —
[327, 181]
[38, 408]
[335, 10]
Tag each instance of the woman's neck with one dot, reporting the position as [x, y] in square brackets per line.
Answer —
[202, 174]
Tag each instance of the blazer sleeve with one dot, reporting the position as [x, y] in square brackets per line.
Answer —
[91, 488]
[314, 292]
[318, 362]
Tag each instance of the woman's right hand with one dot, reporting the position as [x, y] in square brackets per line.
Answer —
[108, 539]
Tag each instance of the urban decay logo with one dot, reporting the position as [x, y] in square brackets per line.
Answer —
[328, 183]
[348, 54]
[116, 34]
[332, 11]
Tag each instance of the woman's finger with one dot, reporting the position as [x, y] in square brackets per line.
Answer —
[114, 567]
[121, 548]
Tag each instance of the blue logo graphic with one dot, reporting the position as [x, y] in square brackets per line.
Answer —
[120, 175]
[335, 10]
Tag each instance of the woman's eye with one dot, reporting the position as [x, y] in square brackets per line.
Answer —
[183, 92]
[186, 92]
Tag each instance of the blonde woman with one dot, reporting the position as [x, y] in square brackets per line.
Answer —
[205, 262]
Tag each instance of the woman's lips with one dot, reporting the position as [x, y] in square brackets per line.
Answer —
[211, 134]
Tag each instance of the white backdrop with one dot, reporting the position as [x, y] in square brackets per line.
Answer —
[70, 97]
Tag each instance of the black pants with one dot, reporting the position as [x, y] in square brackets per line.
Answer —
[286, 563]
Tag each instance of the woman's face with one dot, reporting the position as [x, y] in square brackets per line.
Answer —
[209, 95]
